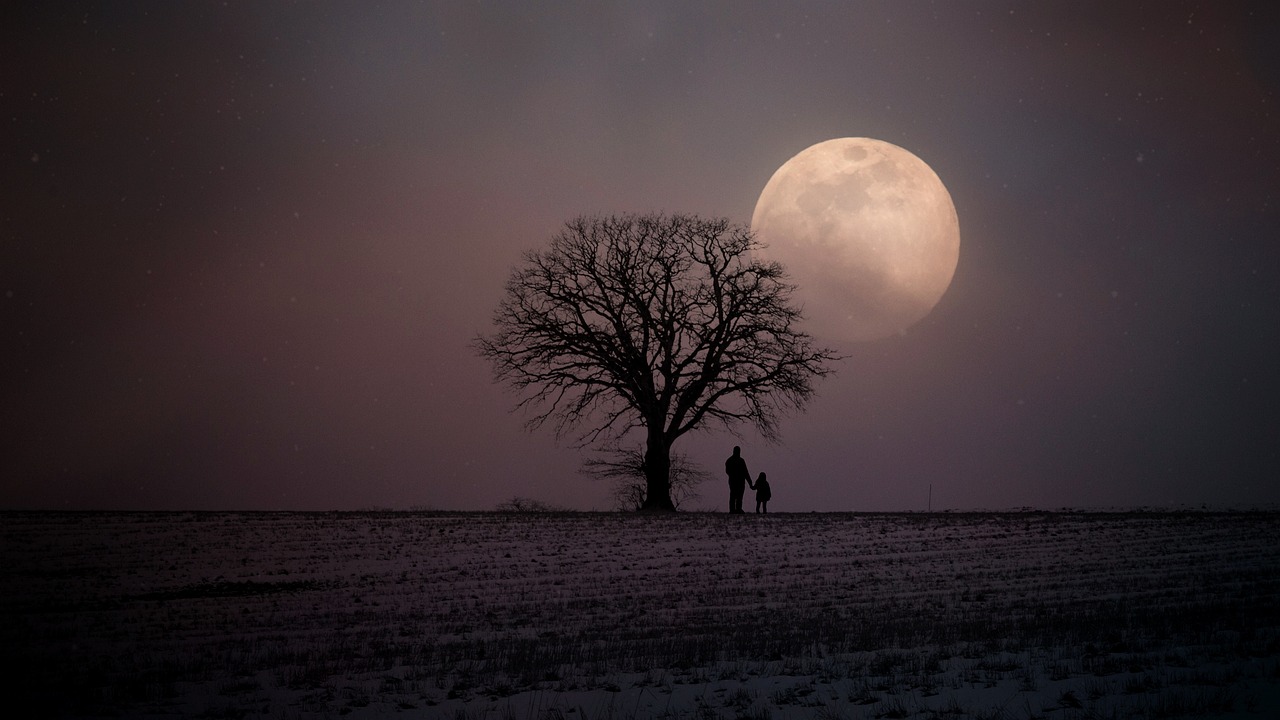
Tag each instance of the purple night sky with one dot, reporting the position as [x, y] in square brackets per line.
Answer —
[245, 246]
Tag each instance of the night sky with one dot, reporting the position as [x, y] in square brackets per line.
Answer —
[245, 246]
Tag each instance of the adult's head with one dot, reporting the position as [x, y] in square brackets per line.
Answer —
[737, 450]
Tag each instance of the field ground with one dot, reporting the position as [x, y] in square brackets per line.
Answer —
[599, 615]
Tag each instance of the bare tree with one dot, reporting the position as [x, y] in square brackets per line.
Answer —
[625, 469]
[657, 323]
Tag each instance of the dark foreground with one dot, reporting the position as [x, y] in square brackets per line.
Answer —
[601, 615]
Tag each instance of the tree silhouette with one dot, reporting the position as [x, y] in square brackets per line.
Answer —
[657, 323]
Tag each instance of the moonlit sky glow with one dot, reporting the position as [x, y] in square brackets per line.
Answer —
[244, 246]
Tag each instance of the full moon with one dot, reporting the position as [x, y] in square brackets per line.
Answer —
[867, 232]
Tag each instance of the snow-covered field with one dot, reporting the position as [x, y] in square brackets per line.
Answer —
[596, 615]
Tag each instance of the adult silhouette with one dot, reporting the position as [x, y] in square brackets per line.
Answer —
[736, 468]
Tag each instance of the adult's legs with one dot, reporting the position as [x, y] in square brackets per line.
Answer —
[738, 488]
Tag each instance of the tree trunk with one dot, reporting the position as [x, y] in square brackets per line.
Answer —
[657, 474]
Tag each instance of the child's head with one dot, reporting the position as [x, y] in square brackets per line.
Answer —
[760, 478]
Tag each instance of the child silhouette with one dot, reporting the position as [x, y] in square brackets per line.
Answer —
[762, 494]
